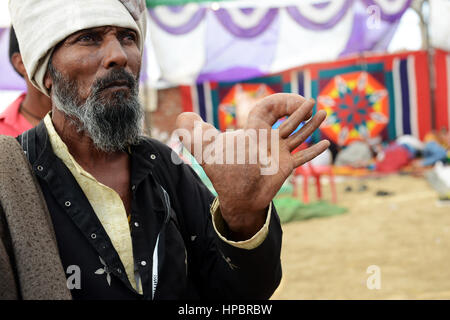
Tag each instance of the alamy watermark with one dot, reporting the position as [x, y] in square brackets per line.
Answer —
[249, 146]
[374, 280]
[74, 277]
[373, 21]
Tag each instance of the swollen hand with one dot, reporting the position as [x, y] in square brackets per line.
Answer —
[247, 167]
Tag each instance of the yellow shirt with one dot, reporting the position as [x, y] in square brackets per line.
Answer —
[107, 204]
[109, 208]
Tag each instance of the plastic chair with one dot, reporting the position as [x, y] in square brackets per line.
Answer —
[308, 170]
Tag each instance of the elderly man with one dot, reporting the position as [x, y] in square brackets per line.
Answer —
[128, 219]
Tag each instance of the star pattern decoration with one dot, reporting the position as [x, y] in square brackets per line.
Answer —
[353, 107]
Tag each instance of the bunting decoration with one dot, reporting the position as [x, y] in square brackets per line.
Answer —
[195, 42]
[157, 3]
[234, 43]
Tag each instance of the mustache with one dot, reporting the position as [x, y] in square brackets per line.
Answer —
[117, 76]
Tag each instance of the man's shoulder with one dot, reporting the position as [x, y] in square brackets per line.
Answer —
[8, 141]
[159, 151]
[156, 146]
[11, 151]
[160, 157]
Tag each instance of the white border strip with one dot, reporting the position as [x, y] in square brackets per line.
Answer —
[194, 97]
[294, 82]
[397, 97]
[208, 103]
[307, 83]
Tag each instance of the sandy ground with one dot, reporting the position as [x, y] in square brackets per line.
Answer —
[405, 235]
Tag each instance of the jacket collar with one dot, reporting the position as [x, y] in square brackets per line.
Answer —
[144, 156]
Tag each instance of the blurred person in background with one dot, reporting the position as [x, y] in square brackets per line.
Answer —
[30, 107]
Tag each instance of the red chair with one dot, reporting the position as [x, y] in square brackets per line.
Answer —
[308, 170]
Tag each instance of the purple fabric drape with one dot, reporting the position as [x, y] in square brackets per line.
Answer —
[193, 22]
[226, 20]
[386, 16]
[229, 57]
[9, 78]
[309, 24]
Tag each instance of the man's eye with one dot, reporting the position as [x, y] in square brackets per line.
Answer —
[129, 36]
[86, 38]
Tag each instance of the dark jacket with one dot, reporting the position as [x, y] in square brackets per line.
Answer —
[179, 222]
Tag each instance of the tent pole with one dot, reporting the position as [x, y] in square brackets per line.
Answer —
[418, 6]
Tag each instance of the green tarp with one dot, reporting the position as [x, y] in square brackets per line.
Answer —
[288, 208]
[291, 209]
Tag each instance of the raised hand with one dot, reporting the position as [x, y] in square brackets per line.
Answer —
[247, 167]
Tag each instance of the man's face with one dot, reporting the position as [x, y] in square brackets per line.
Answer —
[94, 80]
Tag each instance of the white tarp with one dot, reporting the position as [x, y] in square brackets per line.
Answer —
[440, 24]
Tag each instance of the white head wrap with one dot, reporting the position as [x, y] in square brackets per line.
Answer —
[41, 24]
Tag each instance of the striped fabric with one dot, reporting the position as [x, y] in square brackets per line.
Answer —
[204, 99]
[198, 99]
[405, 94]
[409, 95]
[405, 76]
[442, 81]
[301, 83]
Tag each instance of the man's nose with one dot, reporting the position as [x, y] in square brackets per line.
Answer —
[114, 53]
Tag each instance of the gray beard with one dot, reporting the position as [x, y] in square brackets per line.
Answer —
[113, 124]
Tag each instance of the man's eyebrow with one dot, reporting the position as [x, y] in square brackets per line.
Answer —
[78, 33]
[97, 30]
[127, 30]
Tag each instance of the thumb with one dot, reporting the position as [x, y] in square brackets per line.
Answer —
[195, 134]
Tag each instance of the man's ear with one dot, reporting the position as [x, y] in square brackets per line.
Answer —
[17, 62]
[48, 82]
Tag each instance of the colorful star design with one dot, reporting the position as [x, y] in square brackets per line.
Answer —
[353, 106]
